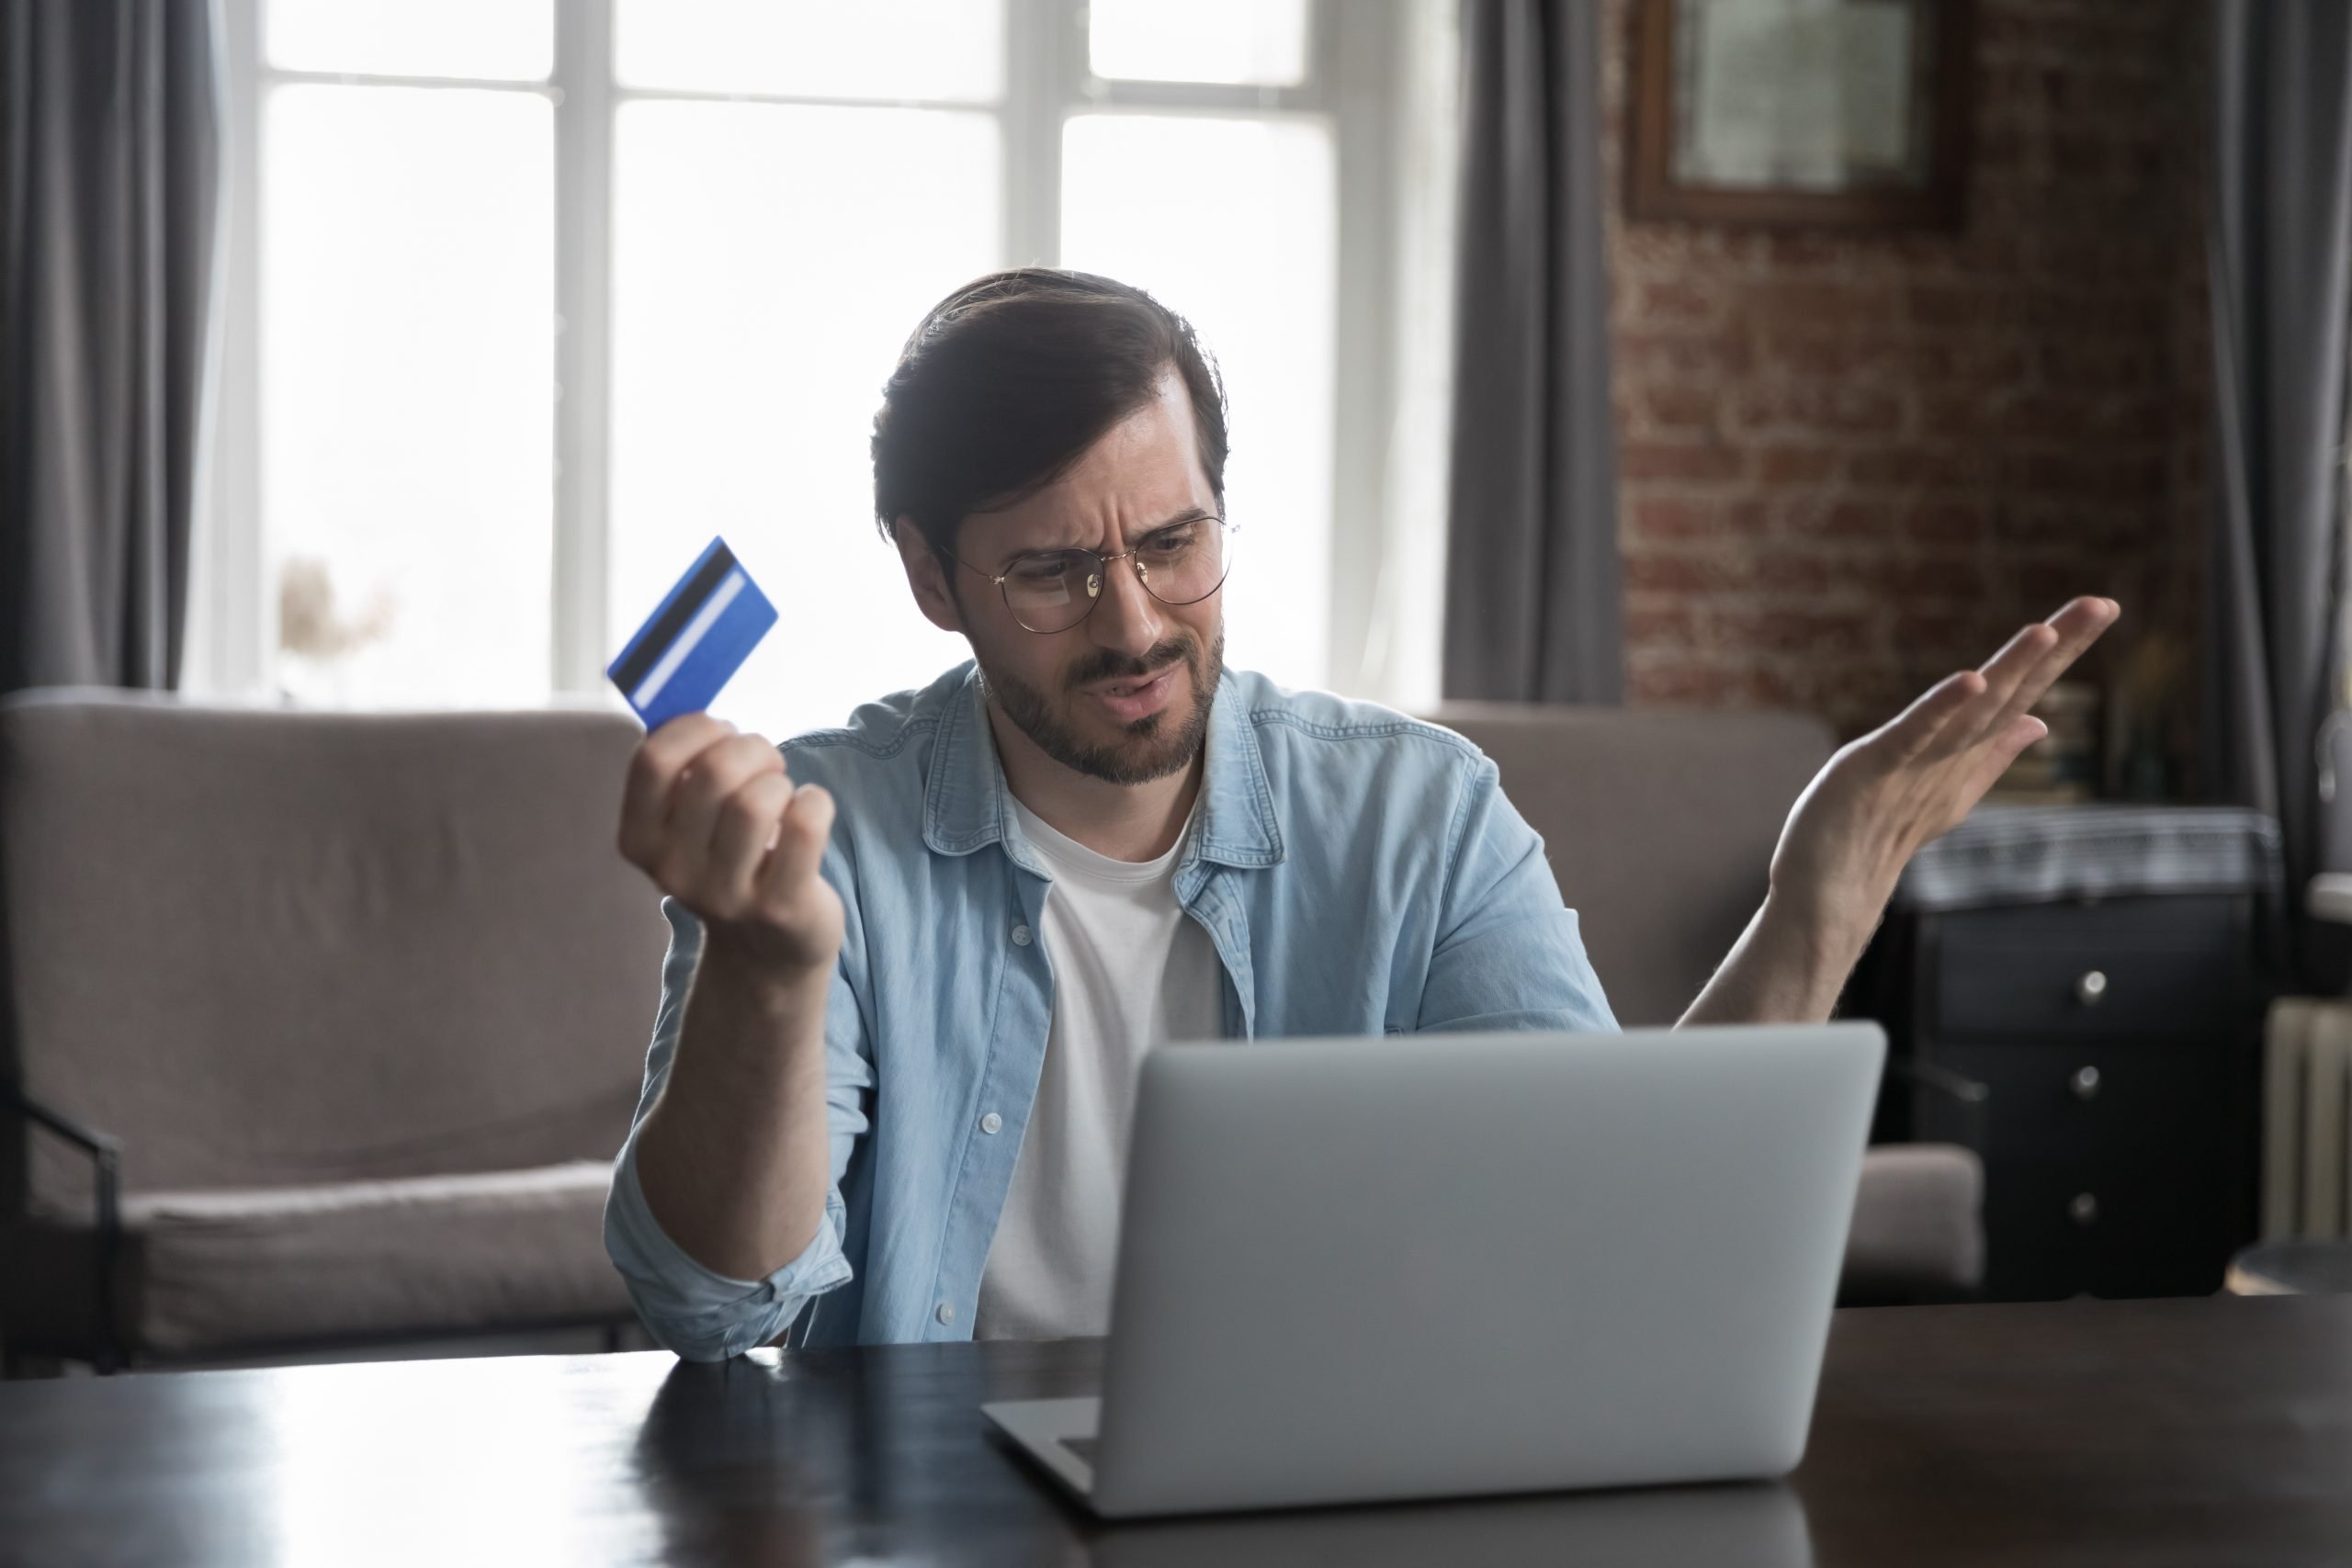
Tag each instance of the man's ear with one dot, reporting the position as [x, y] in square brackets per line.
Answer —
[934, 593]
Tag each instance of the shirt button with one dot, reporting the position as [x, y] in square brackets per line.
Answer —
[947, 1313]
[1021, 936]
[991, 1123]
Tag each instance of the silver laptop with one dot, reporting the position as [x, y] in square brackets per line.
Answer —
[1430, 1266]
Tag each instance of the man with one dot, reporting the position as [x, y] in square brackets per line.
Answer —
[915, 962]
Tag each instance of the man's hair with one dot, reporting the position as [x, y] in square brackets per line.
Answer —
[1011, 379]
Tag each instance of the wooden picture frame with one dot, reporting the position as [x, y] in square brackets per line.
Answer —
[1709, 99]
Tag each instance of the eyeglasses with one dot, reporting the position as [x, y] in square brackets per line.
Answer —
[1052, 590]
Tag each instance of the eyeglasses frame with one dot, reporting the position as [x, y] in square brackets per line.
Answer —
[1094, 596]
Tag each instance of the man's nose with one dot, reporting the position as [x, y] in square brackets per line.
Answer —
[1127, 619]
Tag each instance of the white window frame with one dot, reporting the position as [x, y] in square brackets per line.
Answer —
[1358, 79]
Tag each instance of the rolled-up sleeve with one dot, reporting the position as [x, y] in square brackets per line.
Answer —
[700, 1314]
[1508, 952]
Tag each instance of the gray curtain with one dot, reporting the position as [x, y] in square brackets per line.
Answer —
[1534, 608]
[108, 157]
[2281, 276]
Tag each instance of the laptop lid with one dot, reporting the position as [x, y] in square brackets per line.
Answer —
[1436, 1265]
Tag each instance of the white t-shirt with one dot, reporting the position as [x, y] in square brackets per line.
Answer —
[1131, 970]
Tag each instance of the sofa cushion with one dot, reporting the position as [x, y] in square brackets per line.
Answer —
[218, 1271]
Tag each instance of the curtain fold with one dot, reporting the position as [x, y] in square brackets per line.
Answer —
[2280, 267]
[1533, 608]
[108, 194]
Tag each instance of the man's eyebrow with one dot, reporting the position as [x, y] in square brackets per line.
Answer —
[1190, 514]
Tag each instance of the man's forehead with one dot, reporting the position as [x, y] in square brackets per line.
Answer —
[1142, 473]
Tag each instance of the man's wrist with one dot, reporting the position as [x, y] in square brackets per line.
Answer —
[757, 982]
[1822, 937]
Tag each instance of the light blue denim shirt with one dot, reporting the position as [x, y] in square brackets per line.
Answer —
[1359, 872]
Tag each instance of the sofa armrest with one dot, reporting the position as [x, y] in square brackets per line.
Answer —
[1918, 1229]
[105, 1160]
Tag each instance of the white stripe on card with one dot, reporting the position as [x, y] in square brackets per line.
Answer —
[689, 640]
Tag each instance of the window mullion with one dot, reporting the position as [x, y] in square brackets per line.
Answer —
[1044, 64]
[1356, 64]
[583, 226]
[232, 617]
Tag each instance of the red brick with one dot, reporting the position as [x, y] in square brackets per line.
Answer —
[1911, 466]
[1677, 300]
[1640, 352]
[1803, 303]
[1793, 631]
[1957, 414]
[1670, 460]
[1836, 406]
[1945, 522]
[1837, 519]
[1908, 579]
[1683, 684]
[1787, 573]
[1672, 518]
[1680, 404]
[1794, 464]
[1654, 571]
[1955, 305]
[1673, 626]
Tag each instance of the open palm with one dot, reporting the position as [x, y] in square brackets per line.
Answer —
[1916, 777]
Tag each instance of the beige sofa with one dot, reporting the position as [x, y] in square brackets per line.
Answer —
[321, 1030]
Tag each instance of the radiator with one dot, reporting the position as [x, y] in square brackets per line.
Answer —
[2307, 1090]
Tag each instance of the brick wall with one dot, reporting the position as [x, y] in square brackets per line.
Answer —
[1851, 464]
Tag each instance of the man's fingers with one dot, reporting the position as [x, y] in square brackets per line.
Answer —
[1933, 714]
[2007, 671]
[738, 843]
[2067, 635]
[704, 787]
[800, 841]
[654, 768]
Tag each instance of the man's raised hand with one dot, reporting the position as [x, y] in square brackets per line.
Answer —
[711, 816]
[1916, 777]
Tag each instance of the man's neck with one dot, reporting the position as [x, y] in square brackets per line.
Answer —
[1129, 822]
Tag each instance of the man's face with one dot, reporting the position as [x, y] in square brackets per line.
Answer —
[1124, 695]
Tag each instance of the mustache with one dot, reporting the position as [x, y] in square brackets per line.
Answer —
[1106, 665]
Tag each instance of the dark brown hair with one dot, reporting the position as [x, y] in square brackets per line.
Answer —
[1011, 379]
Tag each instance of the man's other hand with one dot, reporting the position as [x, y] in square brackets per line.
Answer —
[1884, 795]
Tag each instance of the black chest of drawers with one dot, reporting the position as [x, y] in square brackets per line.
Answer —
[2113, 1038]
[2116, 1042]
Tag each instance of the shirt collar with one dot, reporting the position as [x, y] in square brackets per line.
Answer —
[967, 806]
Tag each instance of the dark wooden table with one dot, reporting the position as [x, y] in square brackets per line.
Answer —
[2132, 1432]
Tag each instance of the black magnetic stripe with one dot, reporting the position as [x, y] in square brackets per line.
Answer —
[673, 619]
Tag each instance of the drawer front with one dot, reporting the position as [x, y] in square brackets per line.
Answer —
[2061, 1228]
[2130, 966]
[2096, 1100]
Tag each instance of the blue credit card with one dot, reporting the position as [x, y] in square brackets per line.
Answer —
[696, 640]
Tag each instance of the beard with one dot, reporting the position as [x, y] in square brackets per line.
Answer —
[1148, 748]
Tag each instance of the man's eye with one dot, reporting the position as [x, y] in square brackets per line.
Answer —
[1040, 569]
[1170, 541]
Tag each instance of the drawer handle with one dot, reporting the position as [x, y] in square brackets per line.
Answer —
[2090, 987]
[2085, 1083]
[2084, 1209]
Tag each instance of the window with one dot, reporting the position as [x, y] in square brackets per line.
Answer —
[526, 300]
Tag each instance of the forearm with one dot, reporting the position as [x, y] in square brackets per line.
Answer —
[1788, 966]
[732, 1158]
